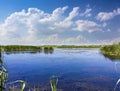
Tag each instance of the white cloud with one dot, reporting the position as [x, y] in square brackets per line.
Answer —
[73, 13]
[85, 25]
[108, 41]
[104, 24]
[35, 26]
[70, 40]
[104, 16]
[87, 12]
[67, 22]
[53, 39]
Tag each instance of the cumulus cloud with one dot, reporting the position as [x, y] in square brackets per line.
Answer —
[87, 12]
[55, 39]
[35, 26]
[85, 25]
[104, 16]
[67, 22]
[108, 41]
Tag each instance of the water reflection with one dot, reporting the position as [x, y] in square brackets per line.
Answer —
[78, 70]
[19, 85]
[112, 57]
[115, 59]
[48, 50]
[45, 50]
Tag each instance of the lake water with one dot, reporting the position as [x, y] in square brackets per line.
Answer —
[76, 70]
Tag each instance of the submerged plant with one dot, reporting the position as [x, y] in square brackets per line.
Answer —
[18, 81]
[53, 83]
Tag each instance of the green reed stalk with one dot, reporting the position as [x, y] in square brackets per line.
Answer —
[53, 83]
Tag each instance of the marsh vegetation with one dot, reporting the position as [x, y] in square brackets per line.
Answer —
[111, 51]
[12, 49]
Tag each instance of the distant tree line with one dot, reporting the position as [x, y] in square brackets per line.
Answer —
[20, 48]
[79, 46]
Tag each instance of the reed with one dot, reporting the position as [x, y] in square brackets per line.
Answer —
[118, 81]
[111, 51]
[53, 83]
[19, 81]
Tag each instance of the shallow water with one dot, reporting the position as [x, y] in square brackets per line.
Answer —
[76, 69]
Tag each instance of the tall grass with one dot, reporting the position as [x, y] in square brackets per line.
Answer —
[111, 51]
[53, 83]
[19, 81]
[3, 73]
[118, 81]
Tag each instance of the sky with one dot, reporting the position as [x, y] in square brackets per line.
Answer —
[59, 22]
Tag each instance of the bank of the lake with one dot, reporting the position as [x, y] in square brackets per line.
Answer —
[111, 51]
[46, 47]
[17, 48]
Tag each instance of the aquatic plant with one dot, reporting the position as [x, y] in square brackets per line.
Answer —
[18, 81]
[118, 81]
[53, 83]
[12, 48]
[3, 73]
[117, 70]
[111, 51]
[3, 77]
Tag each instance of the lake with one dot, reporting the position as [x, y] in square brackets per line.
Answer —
[76, 70]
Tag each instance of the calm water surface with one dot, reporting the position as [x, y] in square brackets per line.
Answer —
[76, 69]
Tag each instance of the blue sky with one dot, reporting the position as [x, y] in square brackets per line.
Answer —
[59, 22]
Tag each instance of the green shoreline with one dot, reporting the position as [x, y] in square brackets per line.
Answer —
[37, 48]
[111, 51]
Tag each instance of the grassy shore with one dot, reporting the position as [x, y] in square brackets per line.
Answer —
[79, 46]
[19, 48]
[25, 48]
[11, 48]
[46, 48]
[111, 51]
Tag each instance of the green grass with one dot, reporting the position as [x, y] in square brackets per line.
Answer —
[10, 48]
[47, 49]
[111, 51]
[3, 77]
[53, 83]
[19, 81]
[79, 46]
